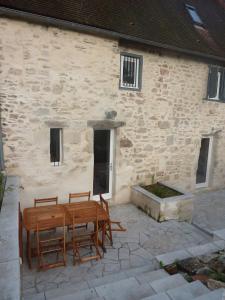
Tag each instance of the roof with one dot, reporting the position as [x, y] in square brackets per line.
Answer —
[163, 23]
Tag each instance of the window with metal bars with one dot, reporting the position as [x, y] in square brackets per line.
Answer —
[130, 73]
[216, 83]
[56, 146]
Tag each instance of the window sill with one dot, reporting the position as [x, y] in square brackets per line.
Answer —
[214, 100]
[130, 89]
[58, 164]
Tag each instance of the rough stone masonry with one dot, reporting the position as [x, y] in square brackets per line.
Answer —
[51, 77]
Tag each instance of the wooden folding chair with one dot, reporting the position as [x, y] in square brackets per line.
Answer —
[84, 196]
[80, 196]
[55, 244]
[85, 240]
[52, 200]
[108, 226]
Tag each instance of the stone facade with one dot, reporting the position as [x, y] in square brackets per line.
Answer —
[51, 77]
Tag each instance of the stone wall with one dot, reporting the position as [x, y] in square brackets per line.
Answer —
[55, 77]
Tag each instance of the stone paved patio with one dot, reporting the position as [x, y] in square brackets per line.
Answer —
[209, 210]
[144, 239]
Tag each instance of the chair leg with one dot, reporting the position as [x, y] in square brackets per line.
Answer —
[110, 233]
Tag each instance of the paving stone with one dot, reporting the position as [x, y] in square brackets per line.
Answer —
[171, 257]
[220, 244]
[89, 294]
[40, 296]
[215, 295]
[165, 284]
[202, 249]
[188, 291]
[107, 279]
[127, 289]
[220, 234]
[209, 210]
[69, 289]
[124, 253]
[160, 296]
[112, 268]
[151, 276]
[140, 270]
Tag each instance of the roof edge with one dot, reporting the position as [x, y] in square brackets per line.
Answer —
[63, 24]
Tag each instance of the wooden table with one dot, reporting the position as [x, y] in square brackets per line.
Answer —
[32, 214]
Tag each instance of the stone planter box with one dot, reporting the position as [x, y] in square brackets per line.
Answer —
[162, 209]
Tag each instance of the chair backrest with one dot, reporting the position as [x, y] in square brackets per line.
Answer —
[52, 222]
[85, 215]
[104, 203]
[80, 196]
[52, 200]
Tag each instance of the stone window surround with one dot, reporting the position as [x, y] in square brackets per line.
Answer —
[140, 57]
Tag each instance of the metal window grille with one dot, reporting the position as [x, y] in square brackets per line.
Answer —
[56, 146]
[130, 71]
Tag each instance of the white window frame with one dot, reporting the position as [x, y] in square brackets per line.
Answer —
[58, 163]
[137, 61]
[209, 163]
[217, 97]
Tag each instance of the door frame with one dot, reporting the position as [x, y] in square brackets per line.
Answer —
[108, 196]
[209, 161]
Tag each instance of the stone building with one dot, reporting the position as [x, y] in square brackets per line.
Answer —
[101, 95]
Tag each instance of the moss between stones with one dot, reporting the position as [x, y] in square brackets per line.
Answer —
[161, 190]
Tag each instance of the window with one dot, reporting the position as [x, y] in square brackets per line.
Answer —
[56, 146]
[130, 73]
[216, 83]
[194, 15]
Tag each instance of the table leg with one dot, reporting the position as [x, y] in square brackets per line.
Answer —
[29, 249]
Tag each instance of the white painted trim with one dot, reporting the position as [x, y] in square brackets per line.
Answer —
[108, 195]
[209, 161]
[218, 88]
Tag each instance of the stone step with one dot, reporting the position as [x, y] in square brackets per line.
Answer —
[160, 296]
[188, 291]
[151, 276]
[126, 289]
[215, 295]
[39, 296]
[88, 294]
[80, 285]
[92, 283]
[168, 283]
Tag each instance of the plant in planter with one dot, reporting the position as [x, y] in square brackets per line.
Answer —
[162, 201]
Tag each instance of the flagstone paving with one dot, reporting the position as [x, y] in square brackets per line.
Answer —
[209, 210]
[144, 239]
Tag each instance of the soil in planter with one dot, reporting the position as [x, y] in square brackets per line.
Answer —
[161, 190]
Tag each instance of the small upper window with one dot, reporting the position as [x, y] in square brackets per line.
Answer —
[130, 73]
[56, 146]
[216, 83]
[194, 15]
